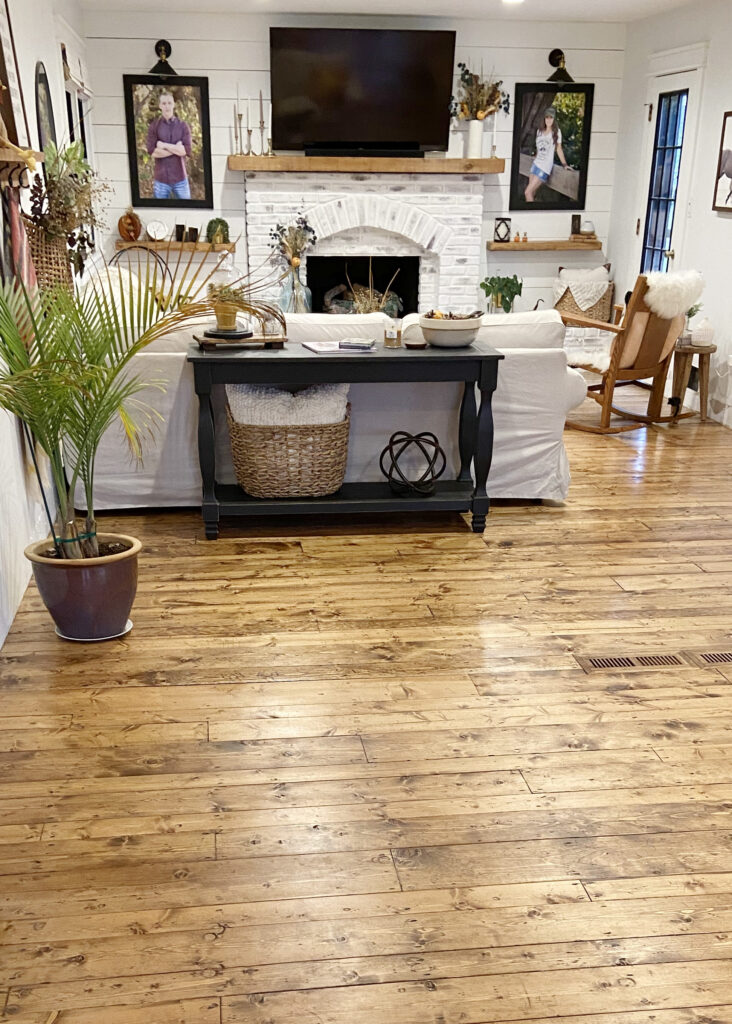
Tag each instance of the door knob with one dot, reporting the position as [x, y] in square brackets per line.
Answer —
[669, 254]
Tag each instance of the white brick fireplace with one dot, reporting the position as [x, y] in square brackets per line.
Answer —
[435, 217]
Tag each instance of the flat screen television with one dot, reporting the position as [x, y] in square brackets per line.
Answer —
[361, 90]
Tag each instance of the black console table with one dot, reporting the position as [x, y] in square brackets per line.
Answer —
[296, 365]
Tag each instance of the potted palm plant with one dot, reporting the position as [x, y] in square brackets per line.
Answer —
[65, 372]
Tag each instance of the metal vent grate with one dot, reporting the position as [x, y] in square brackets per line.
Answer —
[716, 657]
[599, 663]
[703, 659]
[610, 662]
[647, 660]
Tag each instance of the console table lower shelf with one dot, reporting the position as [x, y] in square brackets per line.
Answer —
[449, 496]
[473, 367]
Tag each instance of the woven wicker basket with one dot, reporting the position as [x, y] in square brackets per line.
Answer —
[600, 311]
[292, 461]
[50, 258]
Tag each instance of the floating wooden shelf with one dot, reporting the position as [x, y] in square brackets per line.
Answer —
[145, 243]
[365, 165]
[546, 246]
[9, 156]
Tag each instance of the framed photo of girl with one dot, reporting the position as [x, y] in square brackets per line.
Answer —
[168, 141]
[551, 146]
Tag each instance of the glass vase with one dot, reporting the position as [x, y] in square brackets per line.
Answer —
[295, 296]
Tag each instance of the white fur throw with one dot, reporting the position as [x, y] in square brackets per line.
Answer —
[588, 347]
[670, 295]
[271, 407]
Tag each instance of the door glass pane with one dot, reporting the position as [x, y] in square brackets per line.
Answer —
[664, 183]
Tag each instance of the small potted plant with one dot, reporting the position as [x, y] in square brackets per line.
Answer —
[65, 372]
[290, 242]
[227, 300]
[477, 97]
[501, 292]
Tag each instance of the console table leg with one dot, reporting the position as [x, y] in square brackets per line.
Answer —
[207, 460]
[483, 457]
[468, 426]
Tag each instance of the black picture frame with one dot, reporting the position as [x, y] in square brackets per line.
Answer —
[141, 94]
[722, 200]
[564, 190]
[44, 109]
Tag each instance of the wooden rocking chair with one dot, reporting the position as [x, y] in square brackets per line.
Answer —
[642, 348]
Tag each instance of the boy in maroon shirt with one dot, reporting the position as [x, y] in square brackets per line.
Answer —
[169, 143]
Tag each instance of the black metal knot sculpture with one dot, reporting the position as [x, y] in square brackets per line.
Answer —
[429, 446]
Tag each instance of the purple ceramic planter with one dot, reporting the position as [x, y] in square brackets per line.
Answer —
[88, 598]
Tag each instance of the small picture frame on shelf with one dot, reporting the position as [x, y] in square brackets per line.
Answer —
[502, 229]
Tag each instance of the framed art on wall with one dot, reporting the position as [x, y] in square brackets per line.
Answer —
[551, 146]
[168, 141]
[723, 183]
[44, 109]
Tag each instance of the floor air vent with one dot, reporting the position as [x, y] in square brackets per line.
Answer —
[703, 658]
[595, 664]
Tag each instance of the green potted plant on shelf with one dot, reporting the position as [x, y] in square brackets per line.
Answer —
[501, 292]
[65, 372]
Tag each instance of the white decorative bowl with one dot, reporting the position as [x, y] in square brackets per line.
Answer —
[450, 333]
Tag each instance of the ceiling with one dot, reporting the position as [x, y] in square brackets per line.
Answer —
[531, 10]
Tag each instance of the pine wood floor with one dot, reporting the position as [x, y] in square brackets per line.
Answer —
[353, 773]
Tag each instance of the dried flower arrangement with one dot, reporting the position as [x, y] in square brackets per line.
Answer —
[478, 97]
[290, 241]
[65, 200]
[369, 300]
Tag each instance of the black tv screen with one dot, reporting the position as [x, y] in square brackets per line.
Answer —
[352, 89]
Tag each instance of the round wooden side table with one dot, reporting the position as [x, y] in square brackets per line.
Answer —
[683, 356]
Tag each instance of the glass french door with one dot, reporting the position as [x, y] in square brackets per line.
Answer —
[671, 118]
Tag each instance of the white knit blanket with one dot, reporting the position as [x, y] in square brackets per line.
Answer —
[584, 292]
[272, 407]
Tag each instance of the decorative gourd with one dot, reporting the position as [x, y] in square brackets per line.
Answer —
[129, 226]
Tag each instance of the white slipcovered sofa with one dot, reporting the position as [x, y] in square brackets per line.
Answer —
[535, 392]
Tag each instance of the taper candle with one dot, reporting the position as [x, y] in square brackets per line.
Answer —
[261, 109]
[493, 148]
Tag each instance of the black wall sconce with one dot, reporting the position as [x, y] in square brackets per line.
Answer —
[163, 50]
[556, 59]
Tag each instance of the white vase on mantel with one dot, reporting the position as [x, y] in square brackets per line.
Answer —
[474, 147]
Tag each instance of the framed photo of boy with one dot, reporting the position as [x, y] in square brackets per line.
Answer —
[551, 146]
[168, 141]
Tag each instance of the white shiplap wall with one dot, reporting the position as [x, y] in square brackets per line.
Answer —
[233, 51]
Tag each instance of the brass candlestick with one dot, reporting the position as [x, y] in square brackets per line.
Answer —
[261, 137]
[270, 151]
